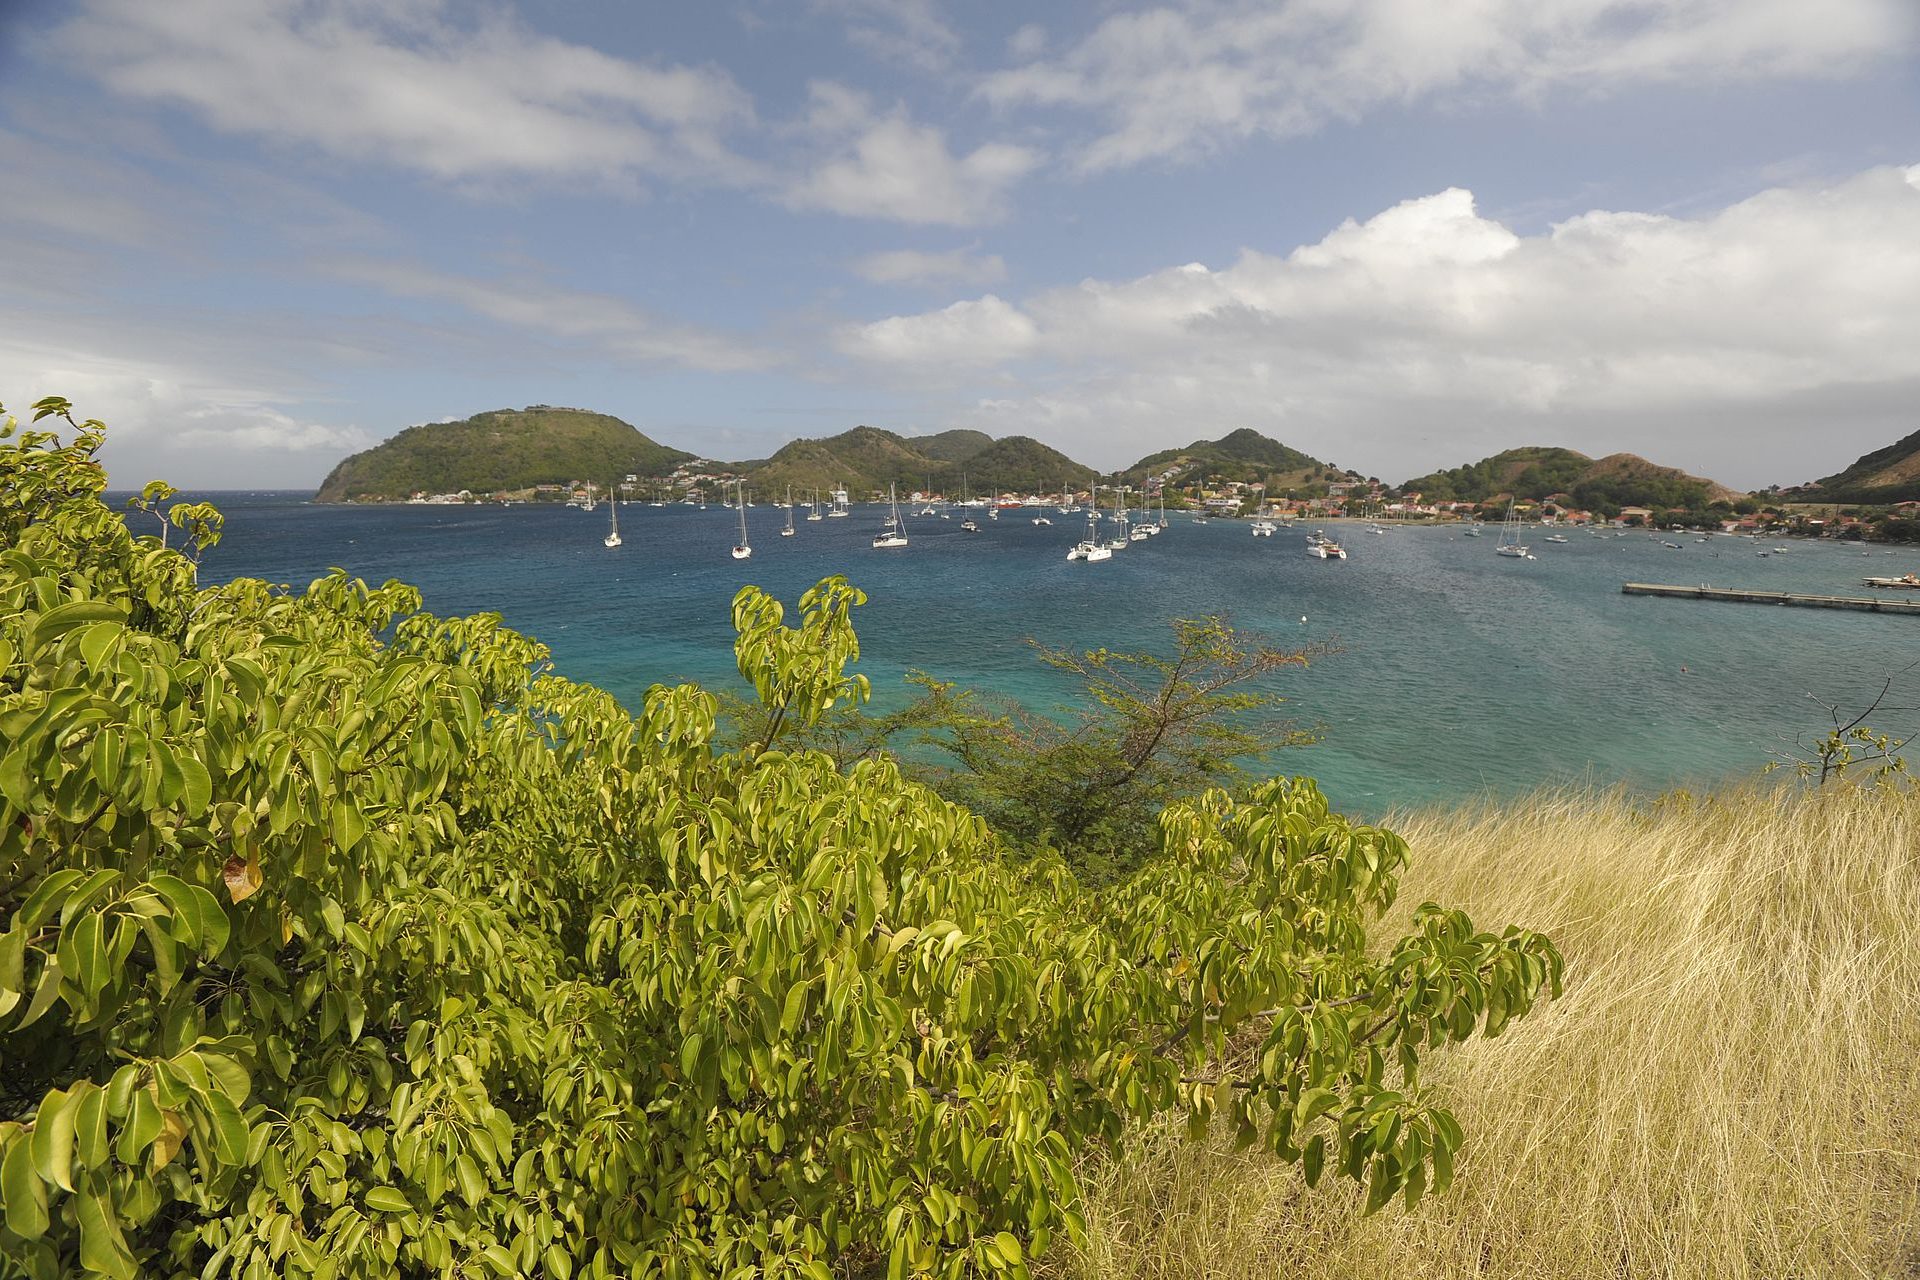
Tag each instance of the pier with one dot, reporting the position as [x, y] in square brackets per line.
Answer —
[1739, 596]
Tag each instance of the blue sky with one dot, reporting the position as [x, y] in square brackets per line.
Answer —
[256, 235]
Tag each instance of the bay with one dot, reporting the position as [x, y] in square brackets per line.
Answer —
[1459, 672]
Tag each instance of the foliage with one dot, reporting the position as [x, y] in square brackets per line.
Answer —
[340, 940]
[502, 450]
[1151, 730]
[1850, 747]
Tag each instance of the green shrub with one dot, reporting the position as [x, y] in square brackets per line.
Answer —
[337, 939]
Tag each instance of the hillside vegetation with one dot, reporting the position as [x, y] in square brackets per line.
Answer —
[866, 460]
[1726, 1092]
[502, 450]
[1243, 455]
[1891, 474]
[1601, 484]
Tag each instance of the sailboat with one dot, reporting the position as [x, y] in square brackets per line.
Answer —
[1092, 549]
[895, 533]
[1510, 544]
[839, 509]
[1146, 528]
[613, 535]
[741, 551]
[788, 531]
[813, 507]
[1119, 541]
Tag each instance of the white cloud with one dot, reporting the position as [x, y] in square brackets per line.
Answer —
[1027, 43]
[975, 332]
[881, 164]
[406, 84]
[895, 32]
[166, 417]
[1419, 335]
[608, 326]
[1164, 82]
[916, 266]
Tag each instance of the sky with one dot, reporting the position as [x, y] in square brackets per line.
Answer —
[257, 235]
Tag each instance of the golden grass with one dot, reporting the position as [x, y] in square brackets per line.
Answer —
[1729, 1088]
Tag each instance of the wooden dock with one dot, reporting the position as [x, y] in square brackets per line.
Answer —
[1738, 596]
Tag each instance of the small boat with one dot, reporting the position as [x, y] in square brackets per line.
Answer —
[788, 531]
[741, 549]
[1041, 520]
[1556, 537]
[891, 535]
[1321, 547]
[969, 526]
[1264, 528]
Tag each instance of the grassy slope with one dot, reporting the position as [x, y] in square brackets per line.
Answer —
[1891, 474]
[1728, 1088]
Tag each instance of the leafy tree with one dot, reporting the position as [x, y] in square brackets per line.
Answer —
[341, 940]
[1152, 729]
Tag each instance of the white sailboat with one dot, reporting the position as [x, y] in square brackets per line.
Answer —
[893, 534]
[613, 535]
[788, 531]
[741, 550]
[1091, 550]
[839, 508]
[1510, 544]
[813, 507]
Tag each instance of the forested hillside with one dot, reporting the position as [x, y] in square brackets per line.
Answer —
[1603, 484]
[866, 460]
[502, 450]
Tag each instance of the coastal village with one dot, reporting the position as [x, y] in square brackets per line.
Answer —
[703, 480]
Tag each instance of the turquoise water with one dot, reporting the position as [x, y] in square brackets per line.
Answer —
[1460, 671]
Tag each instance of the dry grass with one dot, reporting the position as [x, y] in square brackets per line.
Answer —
[1730, 1087]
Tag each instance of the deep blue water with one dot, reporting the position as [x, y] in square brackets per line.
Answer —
[1460, 671]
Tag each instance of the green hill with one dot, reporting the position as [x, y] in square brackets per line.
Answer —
[1891, 474]
[1532, 472]
[867, 459]
[1243, 455]
[501, 450]
[950, 446]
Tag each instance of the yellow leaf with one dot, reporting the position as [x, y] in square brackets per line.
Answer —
[243, 878]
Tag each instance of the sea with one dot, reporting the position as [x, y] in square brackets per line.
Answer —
[1456, 673]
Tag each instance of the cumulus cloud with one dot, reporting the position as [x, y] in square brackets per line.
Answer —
[917, 266]
[409, 84]
[979, 331]
[882, 164]
[1166, 81]
[1398, 342]
[161, 412]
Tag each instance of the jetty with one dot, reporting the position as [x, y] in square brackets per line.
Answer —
[1738, 595]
